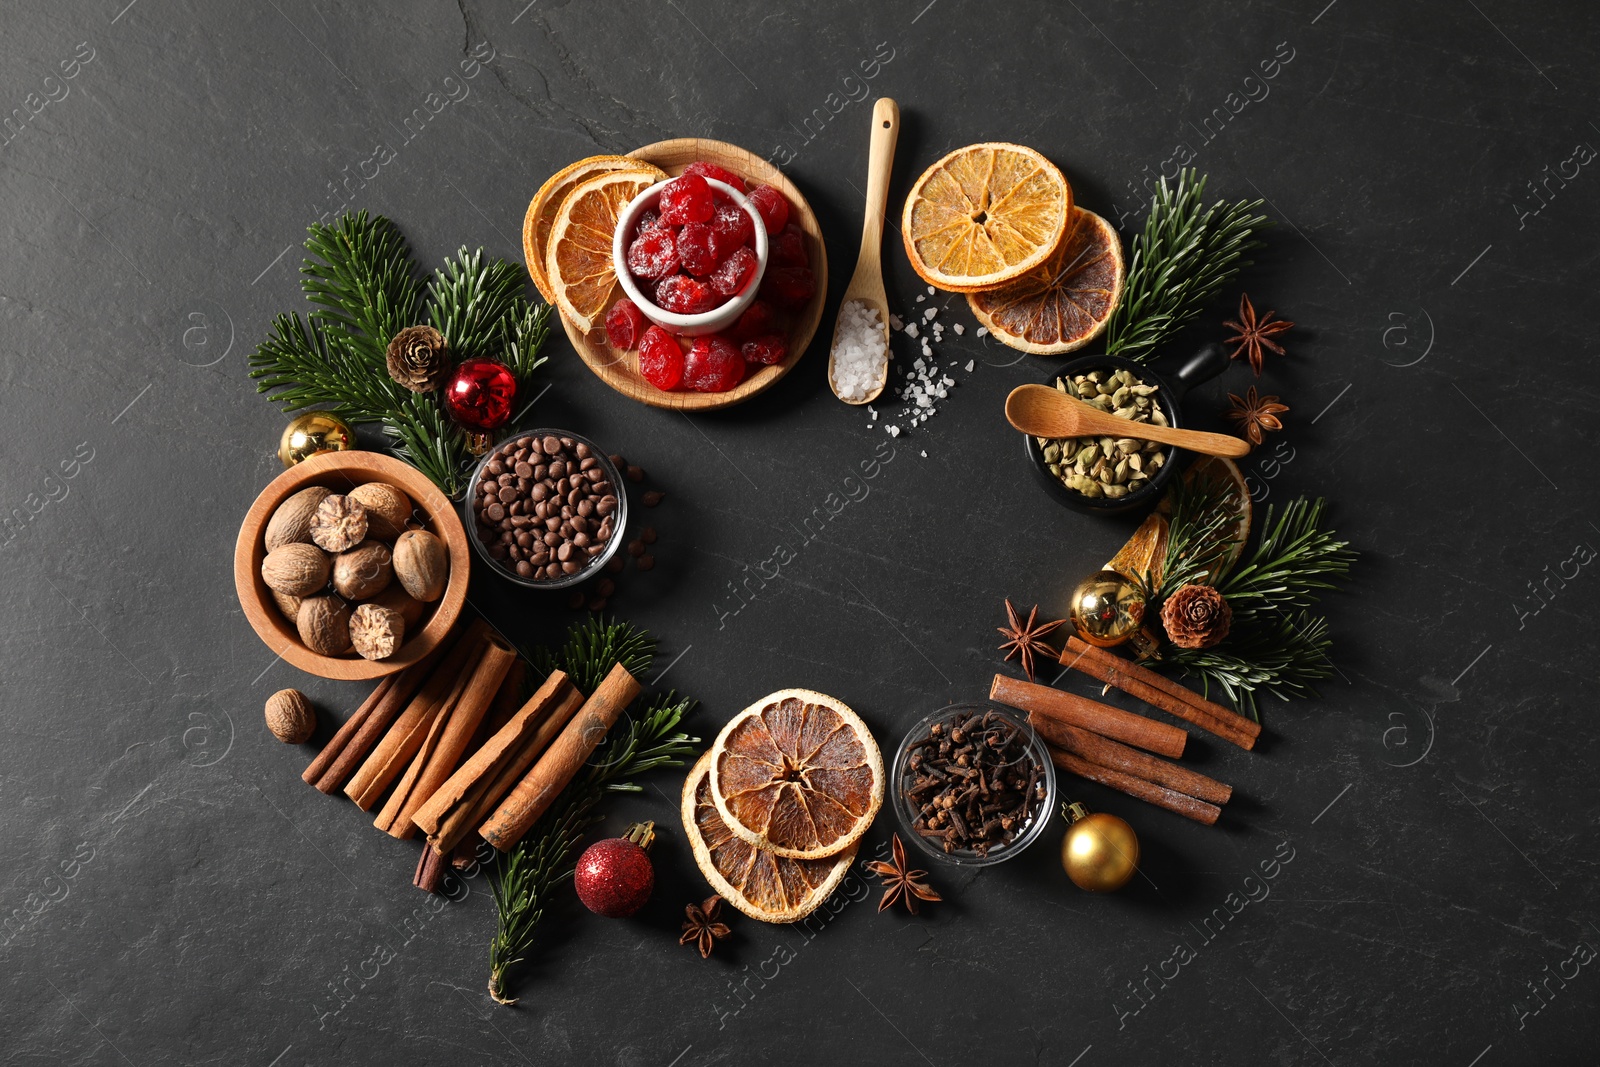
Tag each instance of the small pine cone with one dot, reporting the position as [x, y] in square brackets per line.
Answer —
[1196, 616]
[418, 358]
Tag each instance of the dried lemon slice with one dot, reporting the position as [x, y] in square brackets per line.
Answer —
[984, 215]
[771, 888]
[797, 774]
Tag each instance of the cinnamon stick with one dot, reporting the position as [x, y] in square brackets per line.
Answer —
[431, 867]
[539, 788]
[395, 695]
[1160, 796]
[1119, 757]
[1089, 715]
[508, 700]
[1160, 692]
[448, 738]
[341, 738]
[465, 788]
[393, 752]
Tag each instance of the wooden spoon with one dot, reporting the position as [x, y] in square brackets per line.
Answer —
[1041, 411]
[866, 284]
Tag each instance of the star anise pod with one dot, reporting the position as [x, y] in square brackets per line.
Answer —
[1024, 639]
[1255, 334]
[1256, 415]
[702, 929]
[900, 883]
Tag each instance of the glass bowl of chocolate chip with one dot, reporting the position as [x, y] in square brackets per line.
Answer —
[546, 508]
[973, 784]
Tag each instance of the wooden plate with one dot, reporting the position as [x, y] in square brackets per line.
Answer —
[620, 370]
[341, 472]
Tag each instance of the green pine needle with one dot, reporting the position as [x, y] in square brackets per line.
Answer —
[1185, 255]
[361, 277]
[543, 859]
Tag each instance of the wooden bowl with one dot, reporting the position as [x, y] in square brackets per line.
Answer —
[341, 472]
[620, 370]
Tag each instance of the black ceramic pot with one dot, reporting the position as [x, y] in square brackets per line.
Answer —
[1204, 365]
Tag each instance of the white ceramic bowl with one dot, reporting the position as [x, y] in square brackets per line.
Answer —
[713, 321]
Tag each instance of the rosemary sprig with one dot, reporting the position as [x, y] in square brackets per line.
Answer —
[1185, 255]
[543, 859]
[366, 288]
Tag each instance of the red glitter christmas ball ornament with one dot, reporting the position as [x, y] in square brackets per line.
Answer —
[480, 394]
[615, 877]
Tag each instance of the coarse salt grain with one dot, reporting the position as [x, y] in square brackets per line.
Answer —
[928, 315]
[982, 331]
[860, 353]
[959, 329]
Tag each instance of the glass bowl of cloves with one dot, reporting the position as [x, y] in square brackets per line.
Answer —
[973, 784]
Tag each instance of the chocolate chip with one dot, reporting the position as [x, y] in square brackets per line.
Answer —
[597, 604]
[635, 474]
[636, 548]
[648, 535]
[646, 563]
[606, 587]
[653, 497]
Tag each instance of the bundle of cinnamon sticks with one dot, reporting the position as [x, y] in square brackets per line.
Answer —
[1114, 747]
[460, 754]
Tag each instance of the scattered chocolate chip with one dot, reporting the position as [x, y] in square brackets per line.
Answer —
[606, 587]
[653, 497]
[635, 474]
[648, 535]
[615, 564]
[646, 562]
[597, 604]
[635, 548]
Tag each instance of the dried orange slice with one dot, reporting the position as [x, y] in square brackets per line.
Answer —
[983, 215]
[771, 888]
[546, 203]
[1144, 554]
[578, 262]
[797, 774]
[1221, 551]
[1064, 302]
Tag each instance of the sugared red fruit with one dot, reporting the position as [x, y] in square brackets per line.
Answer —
[653, 254]
[735, 272]
[660, 359]
[624, 324]
[715, 173]
[758, 318]
[773, 207]
[694, 249]
[688, 199]
[766, 349]
[713, 365]
[788, 248]
[730, 228]
[684, 295]
[789, 286]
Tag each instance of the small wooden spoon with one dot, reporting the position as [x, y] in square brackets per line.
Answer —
[866, 285]
[1041, 411]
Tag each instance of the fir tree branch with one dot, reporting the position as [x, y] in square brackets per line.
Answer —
[1185, 255]
[361, 274]
[309, 365]
[539, 863]
[1295, 559]
[1281, 654]
[471, 302]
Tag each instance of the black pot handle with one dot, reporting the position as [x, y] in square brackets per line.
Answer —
[1203, 366]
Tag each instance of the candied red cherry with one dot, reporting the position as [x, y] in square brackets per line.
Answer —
[684, 295]
[790, 287]
[713, 365]
[730, 228]
[660, 359]
[788, 248]
[774, 209]
[695, 249]
[653, 254]
[624, 324]
[735, 272]
[715, 173]
[687, 199]
[758, 318]
[768, 349]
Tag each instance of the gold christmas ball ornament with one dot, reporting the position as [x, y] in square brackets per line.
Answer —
[1100, 852]
[312, 434]
[1107, 609]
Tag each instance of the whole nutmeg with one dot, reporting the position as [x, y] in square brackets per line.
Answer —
[324, 625]
[376, 632]
[290, 717]
[339, 523]
[292, 521]
[289, 605]
[388, 509]
[296, 568]
[395, 598]
[421, 564]
[362, 572]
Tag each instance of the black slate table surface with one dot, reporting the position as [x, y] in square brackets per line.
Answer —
[1406, 875]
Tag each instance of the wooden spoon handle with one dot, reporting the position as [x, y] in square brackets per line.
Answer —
[1207, 444]
[880, 162]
